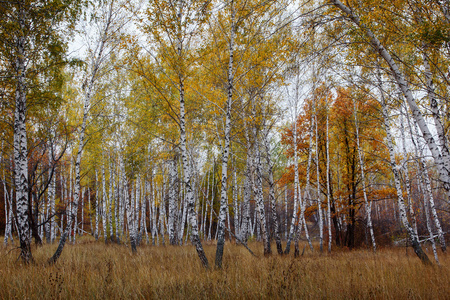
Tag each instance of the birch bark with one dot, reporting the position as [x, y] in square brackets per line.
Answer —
[272, 200]
[330, 238]
[430, 230]
[128, 198]
[296, 180]
[188, 180]
[406, 172]
[260, 199]
[212, 202]
[74, 206]
[171, 222]
[226, 145]
[442, 139]
[244, 229]
[20, 142]
[367, 205]
[8, 212]
[319, 202]
[162, 213]
[111, 201]
[425, 182]
[235, 203]
[97, 208]
[104, 205]
[401, 205]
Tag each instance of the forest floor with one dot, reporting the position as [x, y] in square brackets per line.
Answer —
[93, 270]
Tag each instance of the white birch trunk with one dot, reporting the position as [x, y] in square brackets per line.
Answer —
[319, 202]
[211, 205]
[82, 211]
[245, 226]
[137, 205]
[188, 182]
[272, 200]
[8, 212]
[130, 212]
[97, 207]
[184, 216]
[144, 211]
[308, 184]
[162, 213]
[117, 203]
[294, 220]
[74, 207]
[330, 238]
[430, 230]
[111, 201]
[90, 210]
[70, 206]
[154, 216]
[406, 172]
[192, 215]
[401, 205]
[122, 201]
[300, 224]
[88, 94]
[206, 206]
[171, 223]
[63, 200]
[425, 182]
[226, 145]
[104, 205]
[435, 112]
[367, 205]
[20, 144]
[235, 204]
[443, 143]
[7, 228]
[285, 213]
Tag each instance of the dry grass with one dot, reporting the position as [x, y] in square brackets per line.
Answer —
[91, 270]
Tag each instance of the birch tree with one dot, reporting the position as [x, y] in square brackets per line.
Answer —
[106, 40]
[401, 205]
[175, 28]
[29, 30]
[367, 205]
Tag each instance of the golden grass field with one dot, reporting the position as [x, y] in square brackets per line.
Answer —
[93, 270]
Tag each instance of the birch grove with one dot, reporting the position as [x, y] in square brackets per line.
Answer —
[185, 123]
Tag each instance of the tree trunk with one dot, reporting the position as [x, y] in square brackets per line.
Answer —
[367, 205]
[104, 205]
[97, 208]
[406, 170]
[245, 226]
[319, 202]
[171, 222]
[20, 146]
[330, 237]
[401, 205]
[260, 199]
[296, 179]
[76, 198]
[272, 200]
[226, 146]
